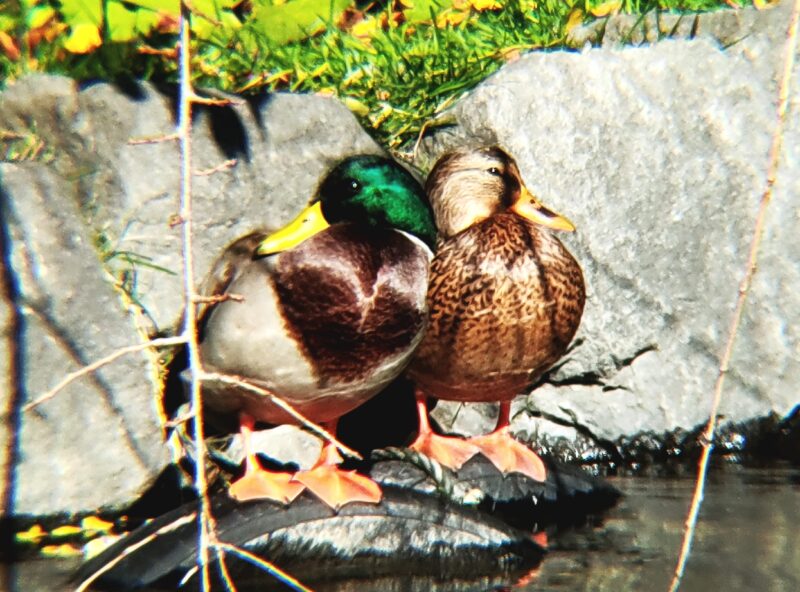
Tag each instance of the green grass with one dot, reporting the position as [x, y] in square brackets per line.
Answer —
[396, 80]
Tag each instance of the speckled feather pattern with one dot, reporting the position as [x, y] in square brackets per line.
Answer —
[505, 300]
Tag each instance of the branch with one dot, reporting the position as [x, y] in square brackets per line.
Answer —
[186, 97]
[265, 565]
[84, 585]
[153, 139]
[317, 429]
[744, 288]
[73, 376]
[224, 166]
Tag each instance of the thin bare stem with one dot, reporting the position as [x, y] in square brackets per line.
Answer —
[73, 376]
[153, 139]
[266, 566]
[216, 299]
[223, 569]
[84, 585]
[224, 166]
[744, 288]
[211, 102]
[189, 292]
[317, 429]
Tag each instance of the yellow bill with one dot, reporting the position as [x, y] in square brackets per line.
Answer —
[532, 209]
[307, 224]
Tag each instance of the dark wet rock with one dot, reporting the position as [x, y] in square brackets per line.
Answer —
[567, 496]
[659, 156]
[407, 534]
[98, 443]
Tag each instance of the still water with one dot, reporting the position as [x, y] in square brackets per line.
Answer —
[748, 539]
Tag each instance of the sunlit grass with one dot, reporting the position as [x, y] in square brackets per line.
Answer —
[402, 76]
[396, 76]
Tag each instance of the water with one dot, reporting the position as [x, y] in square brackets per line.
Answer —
[748, 538]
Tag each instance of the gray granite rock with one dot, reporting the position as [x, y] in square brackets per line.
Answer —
[659, 155]
[95, 195]
[282, 145]
[99, 442]
[284, 444]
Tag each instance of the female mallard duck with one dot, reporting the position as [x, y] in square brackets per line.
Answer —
[505, 299]
[327, 312]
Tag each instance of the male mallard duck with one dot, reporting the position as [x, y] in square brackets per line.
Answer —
[330, 310]
[505, 300]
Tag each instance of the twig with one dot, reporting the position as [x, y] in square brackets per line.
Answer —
[265, 565]
[189, 292]
[744, 288]
[173, 423]
[84, 585]
[317, 429]
[196, 12]
[198, 100]
[224, 166]
[73, 376]
[153, 139]
[217, 298]
[223, 569]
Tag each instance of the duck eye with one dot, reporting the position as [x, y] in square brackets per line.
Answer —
[495, 171]
[353, 186]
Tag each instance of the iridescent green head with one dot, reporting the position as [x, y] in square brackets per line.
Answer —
[365, 189]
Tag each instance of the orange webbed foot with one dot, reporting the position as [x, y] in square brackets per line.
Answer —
[509, 455]
[450, 451]
[336, 487]
[259, 483]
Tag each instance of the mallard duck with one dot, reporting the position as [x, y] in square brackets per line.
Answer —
[323, 313]
[505, 300]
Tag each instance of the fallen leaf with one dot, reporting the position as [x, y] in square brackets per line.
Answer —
[95, 524]
[84, 38]
[366, 28]
[63, 551]
[65, 531]
[9, 47]
[484, 5]
[356, 106]
[39, 16]
[33, 535]
[606, 8]
[171, 53]
[451, 18]
[575, 19]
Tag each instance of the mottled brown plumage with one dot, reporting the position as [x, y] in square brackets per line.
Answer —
[505, 296]
[505, 300]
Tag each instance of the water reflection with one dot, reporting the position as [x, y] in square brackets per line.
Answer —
[747, 539]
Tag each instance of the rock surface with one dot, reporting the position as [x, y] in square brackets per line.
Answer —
[659, 155]
[282, 144]
[407, 535]
[99, 442]
[94, 195]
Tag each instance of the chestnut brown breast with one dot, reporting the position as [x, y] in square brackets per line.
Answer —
[351, 298]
